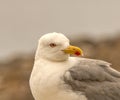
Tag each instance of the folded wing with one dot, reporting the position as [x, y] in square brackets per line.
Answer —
[95, 79]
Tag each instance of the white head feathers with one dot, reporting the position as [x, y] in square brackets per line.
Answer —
[51, 45]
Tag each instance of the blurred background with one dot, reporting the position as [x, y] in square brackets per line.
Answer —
[93, 25]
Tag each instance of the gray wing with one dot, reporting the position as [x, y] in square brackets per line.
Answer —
[95, 79]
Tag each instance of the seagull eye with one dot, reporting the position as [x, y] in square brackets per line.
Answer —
[53, 45]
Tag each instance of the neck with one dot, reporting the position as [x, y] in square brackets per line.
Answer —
[53, 59]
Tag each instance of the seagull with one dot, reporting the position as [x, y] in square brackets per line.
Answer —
[57, 75]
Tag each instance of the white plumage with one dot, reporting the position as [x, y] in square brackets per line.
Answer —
[54, 75]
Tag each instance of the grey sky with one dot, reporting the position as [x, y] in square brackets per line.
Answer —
[23, 21]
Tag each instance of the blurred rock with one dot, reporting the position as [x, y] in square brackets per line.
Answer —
[14, 77]
[107, 50]
[15, 72]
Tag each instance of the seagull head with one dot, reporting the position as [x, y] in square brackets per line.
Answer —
[56, 47]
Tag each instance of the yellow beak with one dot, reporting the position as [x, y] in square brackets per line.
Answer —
[73, 50]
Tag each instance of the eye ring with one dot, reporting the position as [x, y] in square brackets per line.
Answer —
[52, 45]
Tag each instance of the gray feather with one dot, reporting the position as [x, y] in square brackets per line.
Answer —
[95, 78]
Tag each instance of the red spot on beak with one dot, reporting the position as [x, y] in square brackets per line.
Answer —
[77, 53]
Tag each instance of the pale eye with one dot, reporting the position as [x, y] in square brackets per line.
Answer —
[52, 45]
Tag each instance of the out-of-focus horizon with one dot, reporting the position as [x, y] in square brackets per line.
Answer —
[23, 22]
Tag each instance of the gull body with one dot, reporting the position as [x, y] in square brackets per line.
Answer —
[57, 76]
